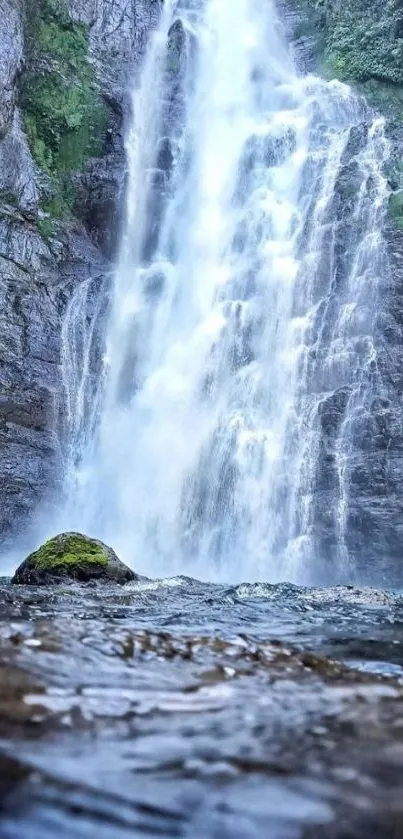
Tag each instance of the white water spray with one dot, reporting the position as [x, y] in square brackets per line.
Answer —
[233, 319]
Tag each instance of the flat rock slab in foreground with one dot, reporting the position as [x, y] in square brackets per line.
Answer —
[72, 556]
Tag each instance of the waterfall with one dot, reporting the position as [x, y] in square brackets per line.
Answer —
[218, 438]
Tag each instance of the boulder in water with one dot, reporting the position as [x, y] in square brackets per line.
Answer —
[72, 557]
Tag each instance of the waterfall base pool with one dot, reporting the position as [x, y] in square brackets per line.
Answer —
[183, 709]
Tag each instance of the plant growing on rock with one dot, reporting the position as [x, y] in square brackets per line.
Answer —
[72, 556]
[64, 114]
[362, 39]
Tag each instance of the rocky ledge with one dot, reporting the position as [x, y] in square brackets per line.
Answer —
[72, 556]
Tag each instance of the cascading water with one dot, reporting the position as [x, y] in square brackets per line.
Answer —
[243, 308]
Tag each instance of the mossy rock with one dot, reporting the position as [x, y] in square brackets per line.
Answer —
[72, 556]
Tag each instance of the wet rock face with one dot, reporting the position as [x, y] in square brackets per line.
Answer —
[40, 270]
[118, 32]
[373, 471]
[72, 556]
[11, 54]
[36, 279]
[357, 511]
[302, 42]
[180, 51]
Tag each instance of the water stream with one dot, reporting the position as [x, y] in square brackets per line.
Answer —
[242, 312]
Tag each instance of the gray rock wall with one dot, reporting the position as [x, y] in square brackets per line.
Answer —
[374, 519]
[38, 275]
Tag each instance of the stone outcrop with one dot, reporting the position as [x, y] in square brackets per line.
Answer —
[72, 557]
[43, 259]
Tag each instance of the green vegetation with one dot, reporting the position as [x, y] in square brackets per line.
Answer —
[70, 549]
[46, 226]
[385, 97]
[64, 114]
[363, 39]
[359, 42]
[363, 42]
[396, 208]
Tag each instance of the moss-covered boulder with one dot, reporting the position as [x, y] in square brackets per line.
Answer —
[72, 556]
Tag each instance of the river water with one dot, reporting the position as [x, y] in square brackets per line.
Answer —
[183, 709]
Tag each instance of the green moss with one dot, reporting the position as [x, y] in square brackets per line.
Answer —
[68, 550]
[64, 115]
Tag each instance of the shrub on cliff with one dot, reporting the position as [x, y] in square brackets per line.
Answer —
[363, 38]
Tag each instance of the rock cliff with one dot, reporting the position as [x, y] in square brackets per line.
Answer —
[361, 42]
[64, 71]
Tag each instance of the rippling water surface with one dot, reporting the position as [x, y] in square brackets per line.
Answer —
[182, 709]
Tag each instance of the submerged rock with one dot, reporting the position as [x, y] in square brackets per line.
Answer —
[72, 556]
